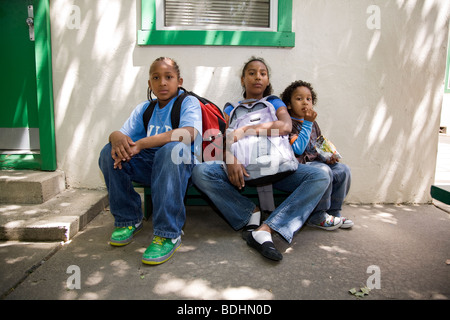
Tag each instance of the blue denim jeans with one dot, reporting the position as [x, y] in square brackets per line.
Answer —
[336, 192]
[167, 179]
[306, 185]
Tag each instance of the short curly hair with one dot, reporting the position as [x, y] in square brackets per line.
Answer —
[287, 93]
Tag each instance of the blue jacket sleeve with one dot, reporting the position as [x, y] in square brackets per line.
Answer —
[302, 140]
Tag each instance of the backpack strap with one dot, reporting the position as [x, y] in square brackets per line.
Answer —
[234, 105]
[269, 97]
[176, 109]
[148, 113]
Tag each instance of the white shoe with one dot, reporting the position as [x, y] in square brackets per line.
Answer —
[346, 223]
[330, 223]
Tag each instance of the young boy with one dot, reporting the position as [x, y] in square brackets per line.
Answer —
[300, 99]
[146, 155]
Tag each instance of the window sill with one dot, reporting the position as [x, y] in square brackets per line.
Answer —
[216, 38]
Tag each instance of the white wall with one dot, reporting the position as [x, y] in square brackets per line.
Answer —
[380, 91]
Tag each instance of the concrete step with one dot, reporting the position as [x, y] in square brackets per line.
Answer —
[57, 219]
[30, 187]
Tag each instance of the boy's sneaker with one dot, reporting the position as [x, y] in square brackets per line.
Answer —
[160, 250]
[122, 236]
[346, 223]
[330, 223]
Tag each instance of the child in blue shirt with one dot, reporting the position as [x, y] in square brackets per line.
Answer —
[300, 98]
[153, 156]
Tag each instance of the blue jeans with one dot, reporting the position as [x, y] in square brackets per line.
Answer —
[306, 185]
[168, 182]
[336, 192]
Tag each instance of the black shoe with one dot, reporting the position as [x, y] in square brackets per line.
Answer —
[267, 249]
[248, 229]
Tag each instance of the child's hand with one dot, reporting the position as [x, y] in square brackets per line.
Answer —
[121, 148]
[135, 149]
[236, 173]
[235, 135]
[310, 115]
[332, 160]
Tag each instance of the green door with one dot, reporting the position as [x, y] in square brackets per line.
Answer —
[26, 120]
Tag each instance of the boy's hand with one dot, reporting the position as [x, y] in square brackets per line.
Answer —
[310, 115]
[135, 149]
[332, 160]
[120, 148]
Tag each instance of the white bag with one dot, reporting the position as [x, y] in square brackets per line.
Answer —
[266, 158]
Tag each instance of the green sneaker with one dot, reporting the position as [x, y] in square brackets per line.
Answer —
[123, 236]
[160, 250]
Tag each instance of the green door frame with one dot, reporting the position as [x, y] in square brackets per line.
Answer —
[46, 160]
[44, 81]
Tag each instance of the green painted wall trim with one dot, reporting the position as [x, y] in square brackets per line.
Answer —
[284, 37]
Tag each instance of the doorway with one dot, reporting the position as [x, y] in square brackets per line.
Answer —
[27, 139]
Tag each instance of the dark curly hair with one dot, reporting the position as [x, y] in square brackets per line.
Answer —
[287, 93]
[269, 89]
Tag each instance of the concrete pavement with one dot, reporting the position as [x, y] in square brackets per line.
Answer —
[403, 250]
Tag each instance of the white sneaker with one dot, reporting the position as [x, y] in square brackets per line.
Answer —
[330, 223]
[346, 223]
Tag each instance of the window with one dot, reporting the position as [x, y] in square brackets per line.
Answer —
[234, 15]
[215, 22]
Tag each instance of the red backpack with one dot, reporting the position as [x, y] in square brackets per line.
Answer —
[213, 123]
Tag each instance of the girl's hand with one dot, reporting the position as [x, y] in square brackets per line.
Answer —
[236, 135]
[236, 173]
